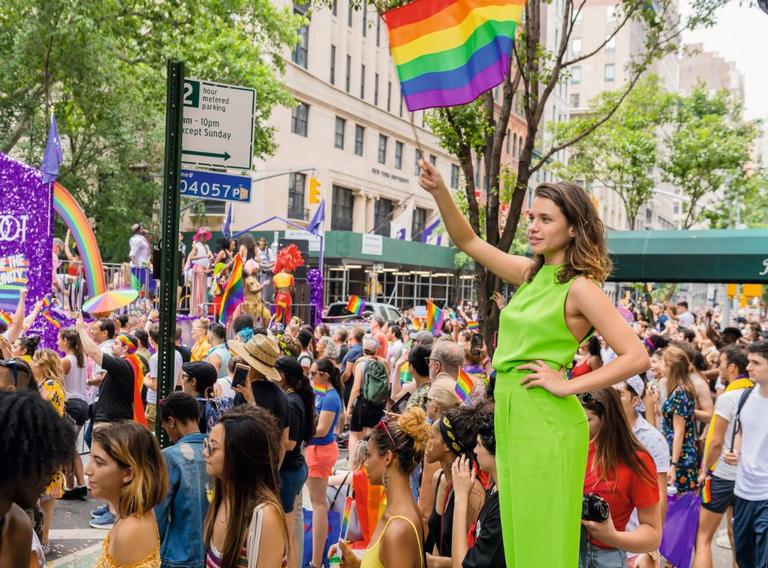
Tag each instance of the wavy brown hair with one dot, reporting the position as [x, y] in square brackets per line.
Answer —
[678, 370]
[587, 253]
[615, 443]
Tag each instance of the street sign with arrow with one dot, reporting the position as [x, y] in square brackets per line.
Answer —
[217, 127]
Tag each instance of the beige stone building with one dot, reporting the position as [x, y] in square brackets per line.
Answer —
[700, 66]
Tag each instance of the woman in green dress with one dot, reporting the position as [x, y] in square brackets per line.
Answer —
[541, 429]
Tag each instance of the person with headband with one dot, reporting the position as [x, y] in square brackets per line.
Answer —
[543, 435]
[395, 448]
[453, 436]
[487, 548]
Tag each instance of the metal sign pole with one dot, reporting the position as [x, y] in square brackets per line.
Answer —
[170, 234]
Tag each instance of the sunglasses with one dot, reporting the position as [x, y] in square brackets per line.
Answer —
[210, 448]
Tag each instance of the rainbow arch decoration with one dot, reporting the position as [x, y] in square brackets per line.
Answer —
[74, 218]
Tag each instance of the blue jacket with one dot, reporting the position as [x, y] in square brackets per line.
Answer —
[180, 516]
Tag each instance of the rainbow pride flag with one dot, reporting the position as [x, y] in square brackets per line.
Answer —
[345, 517]
[5, 317]
[319, 390]
[356, 305]
[473, 325]
[435, 319]
[449, 52]
[234, 293]
[464, 386]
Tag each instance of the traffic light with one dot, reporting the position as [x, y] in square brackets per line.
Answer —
[314, 190]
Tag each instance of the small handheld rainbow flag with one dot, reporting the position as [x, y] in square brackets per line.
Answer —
[435, 318]
[5, 317]
[473, 325]
[345, 518]
[449, 52]
[356, 305]
[463, 386]
[234, 293]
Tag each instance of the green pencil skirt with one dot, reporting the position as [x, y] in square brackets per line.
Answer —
[541, 459]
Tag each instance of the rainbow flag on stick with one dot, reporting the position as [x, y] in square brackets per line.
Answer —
[473, 325]
[435, 318]
[345, 518]
[234, 293]
[449, 52]
[5, 317]
[464, 386]
[356, 305]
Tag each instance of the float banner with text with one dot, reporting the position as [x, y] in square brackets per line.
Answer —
[26, 233]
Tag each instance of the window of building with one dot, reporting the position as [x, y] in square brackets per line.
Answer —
[576, 45]
[579, 15]
[333, 65]
[514, 143]
[610, 45]
[610, 13]
[401, 106]
[433, 159]
[478, 164]
[359, 137]
[454, 176]
[575, 75]
[348, 78]
[300, 119]
[382, 217]
[341, 126]
[610, 72]
[300, 52]
[382, 149]
[418, 223]
[398, 155]
[362, 82]
[365, 19]
[509, 140]
[575, 100]
[417, 157]
[296, 185]
[335, 7]
[378, 32]
[389, 89]
[520, 143]
[343, 206]
[349, 15]
[375, 88]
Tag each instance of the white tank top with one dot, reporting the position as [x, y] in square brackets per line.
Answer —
[74, 381]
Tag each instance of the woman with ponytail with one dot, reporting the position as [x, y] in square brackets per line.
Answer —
[679, 420]
[301, 429]
[75, 376]
[322, 451]
[395, 448]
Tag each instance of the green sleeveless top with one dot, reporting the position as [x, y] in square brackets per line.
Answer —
[532, 326]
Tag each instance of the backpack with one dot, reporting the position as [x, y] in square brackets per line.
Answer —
[736, 419]
[214, 408]
[375, 383]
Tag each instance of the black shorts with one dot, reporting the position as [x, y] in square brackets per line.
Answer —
[722, 495]
[365, 415]
[77, 410]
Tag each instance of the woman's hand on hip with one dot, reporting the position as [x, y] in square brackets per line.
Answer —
[545, 377]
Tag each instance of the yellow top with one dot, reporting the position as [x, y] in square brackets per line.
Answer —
[283, 280]
[200, 349]
[371, 557]
[106, 560]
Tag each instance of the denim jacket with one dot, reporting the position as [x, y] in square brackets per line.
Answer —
[180, 516]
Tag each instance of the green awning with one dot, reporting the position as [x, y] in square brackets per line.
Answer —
[739, 256]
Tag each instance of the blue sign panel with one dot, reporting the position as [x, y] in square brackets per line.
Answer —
[212, 185]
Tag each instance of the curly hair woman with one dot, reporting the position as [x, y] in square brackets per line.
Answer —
[35, 442]
[541, 429]
[395, 448]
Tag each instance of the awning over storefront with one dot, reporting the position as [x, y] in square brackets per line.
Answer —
[689, 256]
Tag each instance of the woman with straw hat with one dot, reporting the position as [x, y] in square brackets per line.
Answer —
[261, 353]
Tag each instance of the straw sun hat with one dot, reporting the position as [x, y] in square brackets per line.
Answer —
[261, 353]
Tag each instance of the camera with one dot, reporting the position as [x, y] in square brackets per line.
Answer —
[594, 508]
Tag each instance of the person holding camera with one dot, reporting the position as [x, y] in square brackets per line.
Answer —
[620, 477]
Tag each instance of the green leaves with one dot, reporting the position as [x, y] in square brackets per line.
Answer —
[101, 67]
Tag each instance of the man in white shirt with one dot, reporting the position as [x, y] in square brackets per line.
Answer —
[750, 504]
[684, 317]
[722, 476]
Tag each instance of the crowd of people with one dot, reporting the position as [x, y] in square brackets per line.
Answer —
[566, 448]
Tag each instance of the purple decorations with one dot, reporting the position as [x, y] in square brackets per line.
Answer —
[26, 234]
[315, 281]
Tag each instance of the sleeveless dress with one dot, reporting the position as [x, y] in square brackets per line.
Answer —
[541, 439]
[106, 560]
